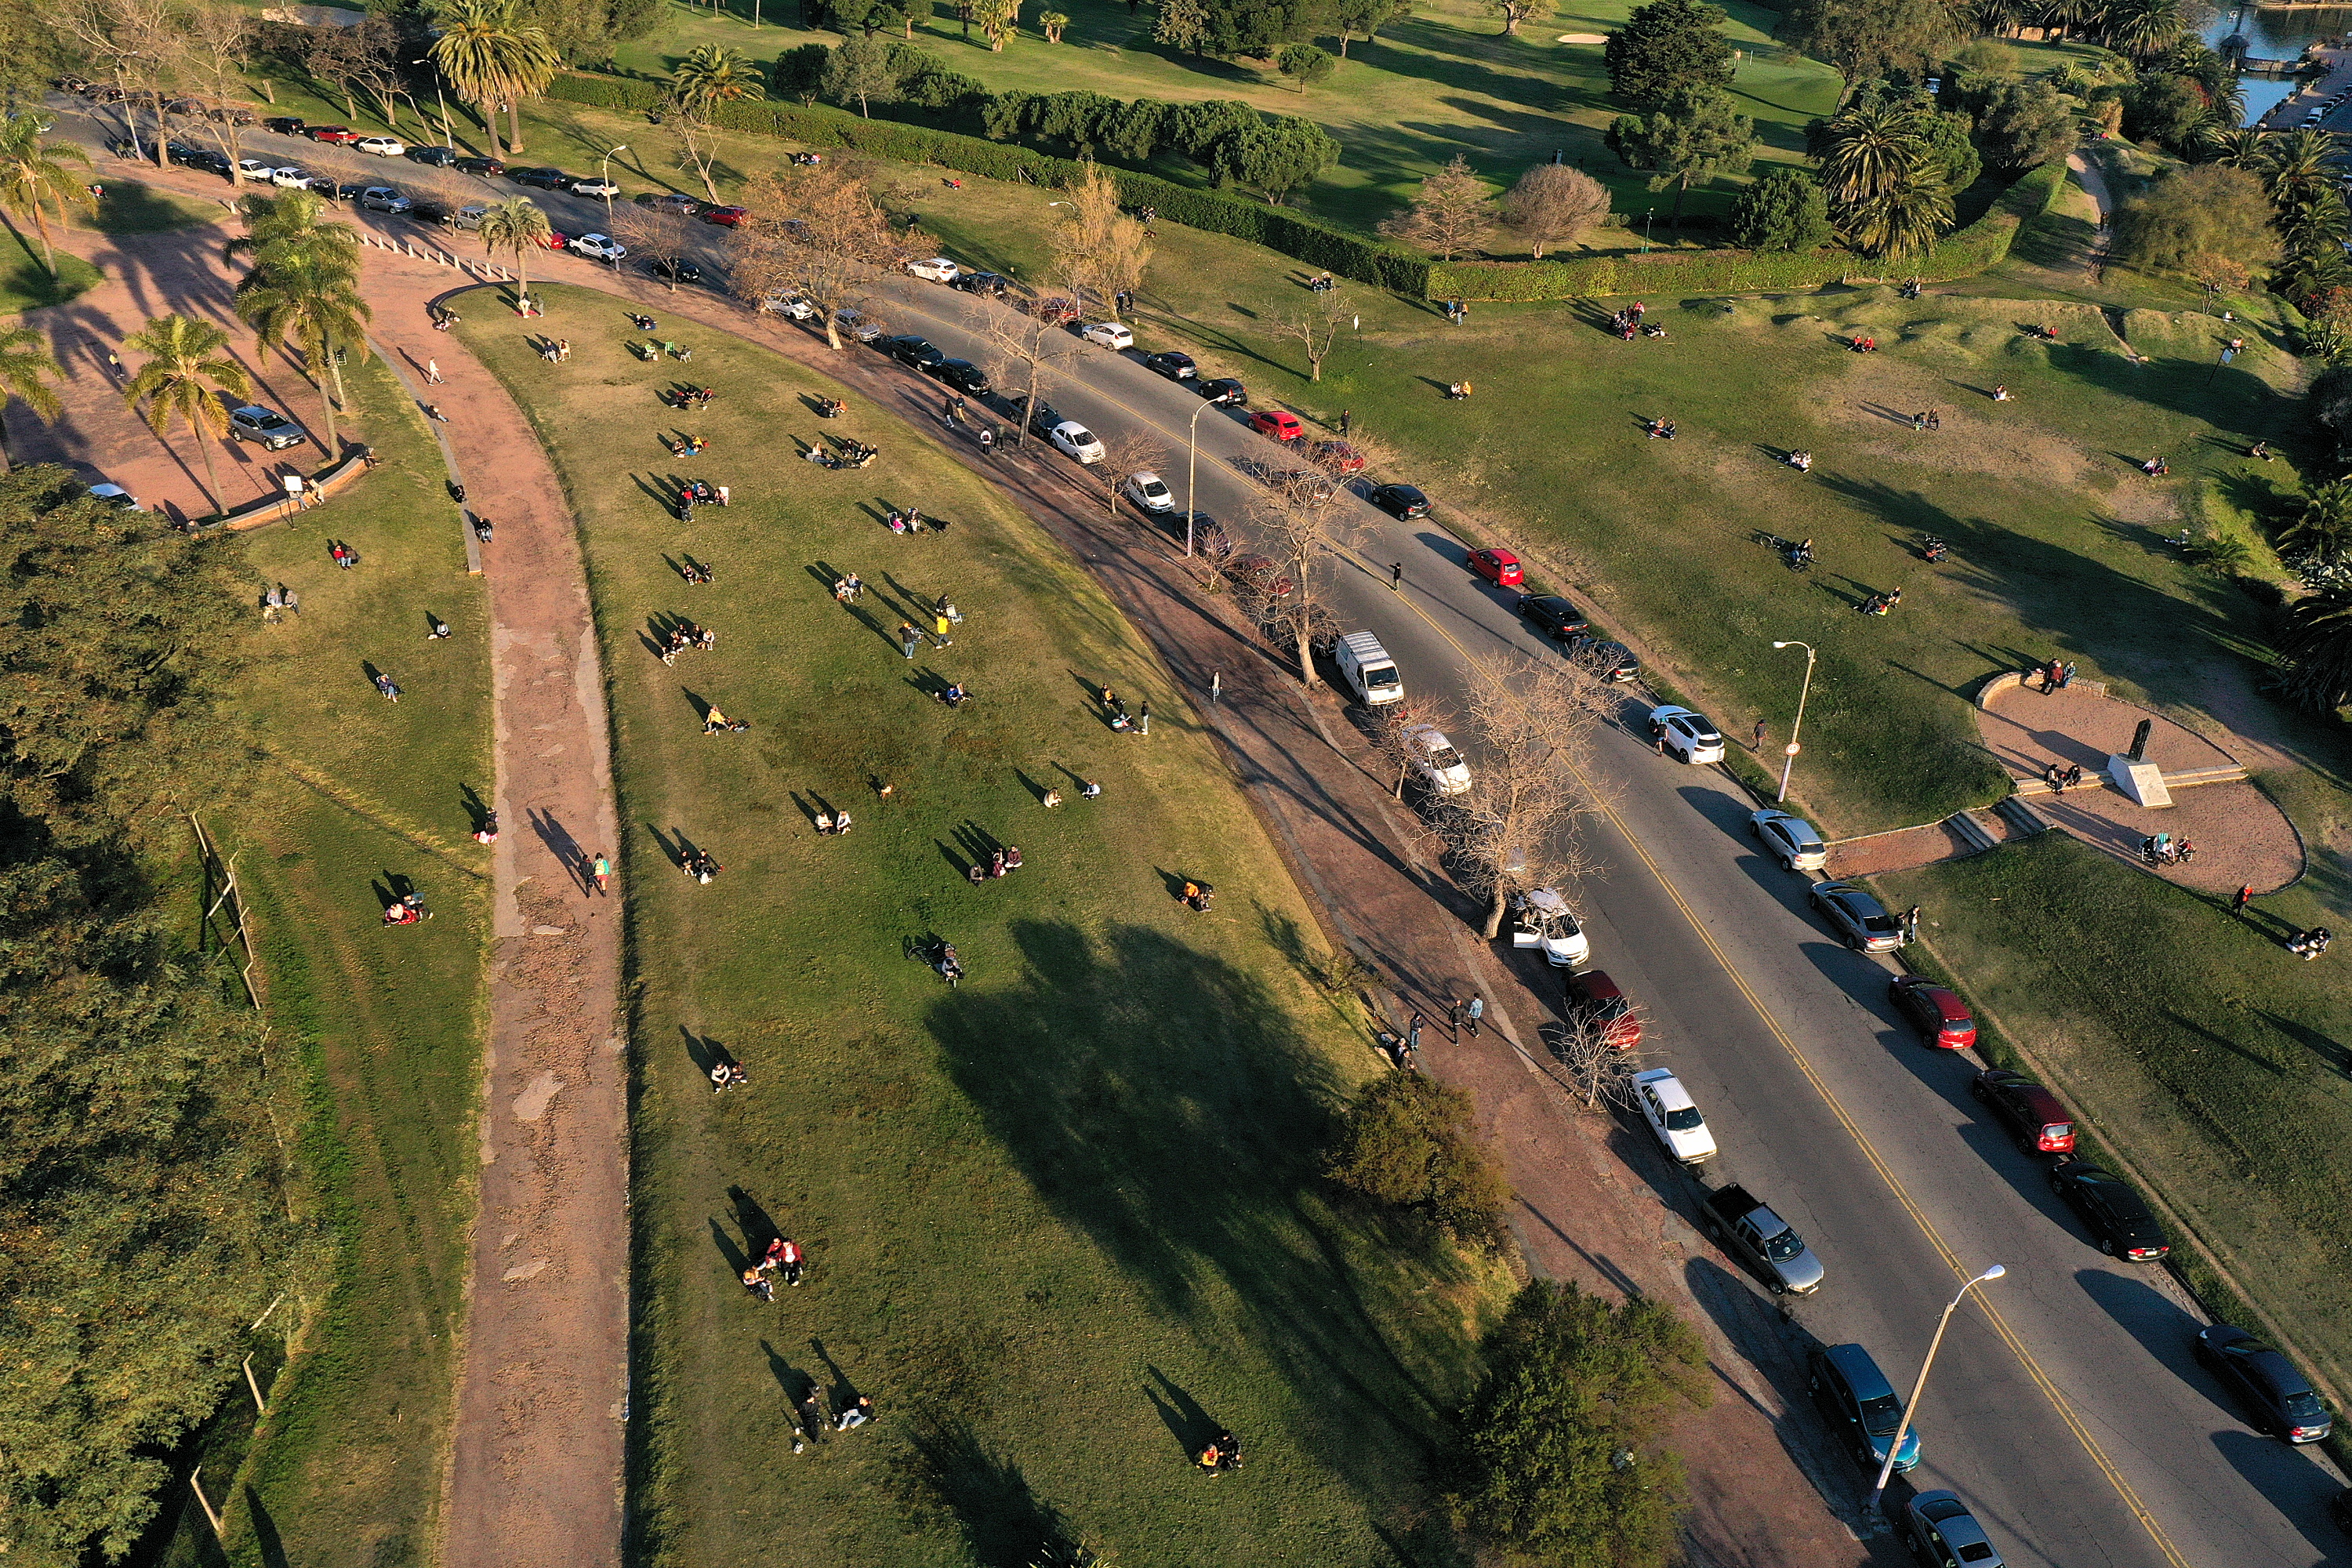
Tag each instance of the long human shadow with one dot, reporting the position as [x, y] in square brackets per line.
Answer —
[1159, 1099]
[1005, 1523]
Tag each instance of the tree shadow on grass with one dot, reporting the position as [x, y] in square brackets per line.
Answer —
[1006, 1525]
[1159, 1100]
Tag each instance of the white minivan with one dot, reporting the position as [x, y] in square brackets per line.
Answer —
[1368, 668]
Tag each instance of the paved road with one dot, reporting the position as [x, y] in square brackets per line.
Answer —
[2066, 1409]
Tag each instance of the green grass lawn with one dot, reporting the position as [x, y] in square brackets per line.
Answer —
[350, 791]
[1062, 1219]
[24, 280]
[133, 208]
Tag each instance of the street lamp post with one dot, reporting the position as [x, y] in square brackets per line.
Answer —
[605, 178]
[1911, 1405]
[1795, 729]
[1191, 465]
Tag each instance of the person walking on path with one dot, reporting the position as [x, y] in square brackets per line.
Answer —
[2245, 896]
[1473, 1011]
[114, 363]
[1413, 1035]
[603, 872]
[909, 637]
[1758, 744]
[1396, 576]
[432, 373]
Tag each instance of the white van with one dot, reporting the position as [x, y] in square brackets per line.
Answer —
[1369, 669]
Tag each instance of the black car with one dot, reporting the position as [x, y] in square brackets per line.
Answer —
[991, 284]
[909, 350]
[425, 209]
[1225, 391]
[1551, 613]
[1171, 364]
[1401, 500]
[349, 191]
[479, 166]
[211, 161]
[434, 157]
[284, 124]
[674, 271]
[964, 375]
[2279, 1398]
[2117, 1217]
[1042, 418]
[545, 179]
[181, 153]
[1609, 660]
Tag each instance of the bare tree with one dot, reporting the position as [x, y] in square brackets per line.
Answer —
[1138, 451]
[829, 253]
[130, 41]
[1315, 326]
[1298, 523]
[214, 43]
[1392, 735]
[1029, 344]
[1097, 248]
[697, 140]
[1449, 216]
[1591, 1065]
[1554, 204]
[661, 237]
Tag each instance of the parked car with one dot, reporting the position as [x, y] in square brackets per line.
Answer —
[2030, 1112]
[920, 353]
[483, 166]
[1761, 1240]
[292, 179]
[1174, 365]
[782, 303]
[1859, 920]
[2280, 1399]
[598, 186]
[1945, 1534]
[1936, 1011]
[1689, 736]
[256, 169]
[1336, 458]
[858, 327]
[669, 202]
[469, 218]
[181, 153]
[284, 124]
[1792, 841]
[1594, 1000]
[1224, 392]
[1150, 491]
[599, 247]
[1551, 615]
[1400, 501]
[542, 179]
[433, 157]
[1609, 660]
[425, 210]
[1259, 575]
[1435, 760]
[212, 160]
[342, 135]
[989, 284]
[1041, 418]
[1109, 334]
[674, 269]
[964, 375]
[1861, 1405]
[725, 217]
[1672, 1115]
[937, 270]
[382, 146]
[349, 191]
[266, 427]
[1073, 439]
[2118, 1217]
[108, 494]
[1541, 918]
[1277, 423]
[1053, 308]
[1499, 567]
[384, 199]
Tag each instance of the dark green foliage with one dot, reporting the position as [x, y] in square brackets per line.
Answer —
[1871, 38]
[2020, 125]
[1950, 151]
[1785, 210]
[2317, 651]
[1697, 132]
[1666, 47]
[2165, 108]
[1305, 64]
[1411, 1142]
[799, 73]
[139, 1177]
[2204, 210]
[1553, 1458]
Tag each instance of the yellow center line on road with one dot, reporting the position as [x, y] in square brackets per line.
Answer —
[1927, 1227]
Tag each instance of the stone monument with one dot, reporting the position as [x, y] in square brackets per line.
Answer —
[2139, 779]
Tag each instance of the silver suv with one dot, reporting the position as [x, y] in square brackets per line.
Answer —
[272, 430]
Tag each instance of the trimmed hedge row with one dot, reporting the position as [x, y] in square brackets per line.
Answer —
[822, 126]
[1960, 253]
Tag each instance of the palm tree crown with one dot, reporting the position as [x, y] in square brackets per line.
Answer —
[27, 368]
[490, 55]
[32, 171]
[186, 370]
[311, 296]
[518, 224]
[713, 74]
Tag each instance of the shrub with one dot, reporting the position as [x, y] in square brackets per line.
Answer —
[1413, 1142]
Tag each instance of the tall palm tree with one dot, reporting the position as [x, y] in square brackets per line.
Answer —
[181, 382]
[2144, 28]
[27, 367]
[309, 296]
[2317, 224]
[712, 76]
[2325, 527]
[490, 55]
[2318, 653]
[1868, 150]
[518, 224]
[2299, 164]
[290, 221]
[33, 171]
[2233, 148]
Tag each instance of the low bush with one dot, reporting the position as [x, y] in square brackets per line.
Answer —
[1413, 1142]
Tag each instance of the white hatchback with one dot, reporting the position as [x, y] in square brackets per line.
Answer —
[382, 146]
[291, 178]
[601, 248]
[1110, 335]
[937, 270]
[1150, 492]
[1541, 918]
[792, 305]
[1076, 440]
[1436, 760]
[1672, 1115]
[1688, 735]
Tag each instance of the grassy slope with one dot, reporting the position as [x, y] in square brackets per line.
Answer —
[1059, 1217]
[349, 790]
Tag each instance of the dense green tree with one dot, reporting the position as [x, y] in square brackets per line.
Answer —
[1364, 18]
[862, 70]
[2020, 125]
[1785, 210]
[2200, 211]
[1668, 45]
[1413, 1142]
[1950, 149]
[1182, 25]
[799, 73]
[1864, 39]
[2165, 108]
[1699, 132]
[1273, 156]
[1305, 64]
[1554, 1463]
[1882, 170]
[2317, 653]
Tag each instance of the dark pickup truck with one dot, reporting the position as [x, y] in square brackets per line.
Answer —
[1768, 1244]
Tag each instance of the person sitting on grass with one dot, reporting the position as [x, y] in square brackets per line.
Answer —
[1053, 797]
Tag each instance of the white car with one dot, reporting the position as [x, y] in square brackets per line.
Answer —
[597, 187]
[1689, 735]
[937, 270]
[792, 305]
[600, 246]
[1791, 839]
[1541, 918]
[1150, 492]
[114, 495]
[382, 146]
[1672, 1115]
[1436, 760]
[858, 327]
[291, 178]
[256, 169]
[1076, 440]
[1110, 335]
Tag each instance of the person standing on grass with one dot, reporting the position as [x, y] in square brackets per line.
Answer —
[2245, 896]
[1143, 720]
[940, 631]
[1413, 1035]
[909, 638]
[1343, 421]
[1758, 744]
[1911, 923]
[603, 872]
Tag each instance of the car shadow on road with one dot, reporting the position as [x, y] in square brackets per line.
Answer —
[2292, 1480]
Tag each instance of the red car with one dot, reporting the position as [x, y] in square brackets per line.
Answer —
[342, 133]
[1337, 457]
[1055, 309]
[557, 241]
[1593, 997]
[1279, 423]
[1499, 567]
[725, 217]
[2032, 1113]
[1936, 1011]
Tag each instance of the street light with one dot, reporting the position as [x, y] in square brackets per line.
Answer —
[1798, 728]
[605, 178]
[1911, 1405]
[1191, 462]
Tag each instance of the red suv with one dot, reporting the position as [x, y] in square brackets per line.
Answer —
[2031, 1112]
[1936, 1011]
[1053, 308]
[330, 133]
[1337, 457]
[1279, 423]
[725, 217]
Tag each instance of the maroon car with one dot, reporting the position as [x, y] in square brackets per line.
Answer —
[338, 134]
[2032, 1114]
[1936, 1011]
